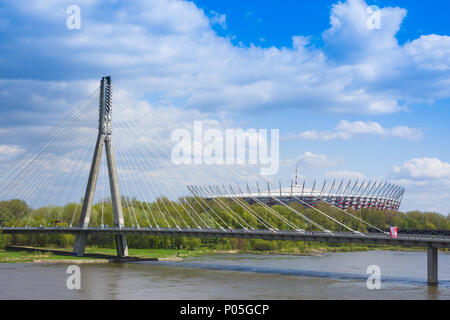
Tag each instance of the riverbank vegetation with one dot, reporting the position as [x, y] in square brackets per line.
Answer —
[17, 256]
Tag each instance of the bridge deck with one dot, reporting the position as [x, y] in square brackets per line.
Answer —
[409, 240]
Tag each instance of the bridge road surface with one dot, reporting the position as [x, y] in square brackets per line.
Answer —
[410, 240]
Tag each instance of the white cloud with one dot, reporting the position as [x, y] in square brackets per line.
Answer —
[7, 152]
[360, 127]
[423, 169]
[319, 135]
[406, 133]
[374, 128]
[317, 160]
[152, 51]
[25, 101]
[220, 19]
[346, 130]
[361, 43]
[427, 183]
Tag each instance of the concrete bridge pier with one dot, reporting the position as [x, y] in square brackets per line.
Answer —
[432, 266]
[80, 244]
[121, 245]
[81, 241]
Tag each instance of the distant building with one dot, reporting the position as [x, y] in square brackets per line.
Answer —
[340, 193]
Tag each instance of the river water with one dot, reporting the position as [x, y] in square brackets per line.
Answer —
[235, 276]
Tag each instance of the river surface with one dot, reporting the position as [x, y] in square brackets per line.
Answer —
[235, 276]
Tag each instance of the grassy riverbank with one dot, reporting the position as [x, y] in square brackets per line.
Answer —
[103, 255]
[7, 256]
[49, 255]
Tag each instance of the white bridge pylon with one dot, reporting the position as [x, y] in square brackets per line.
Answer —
[104, 139]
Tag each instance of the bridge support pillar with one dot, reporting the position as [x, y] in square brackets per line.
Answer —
[104, 139]
[80, 244]
[121, 245]
[432, 266]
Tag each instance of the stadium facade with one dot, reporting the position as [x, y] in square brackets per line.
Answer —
[340, 193]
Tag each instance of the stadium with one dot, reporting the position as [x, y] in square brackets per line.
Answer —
[340, 193]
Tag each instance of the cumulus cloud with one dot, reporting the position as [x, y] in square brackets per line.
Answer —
[360, 127]
[423, 169]
[310, 159]
[427, 182]
[7, 152]
[152, 52]
[346, 130]
[349, 39]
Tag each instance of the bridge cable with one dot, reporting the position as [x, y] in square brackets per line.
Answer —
[169, 169]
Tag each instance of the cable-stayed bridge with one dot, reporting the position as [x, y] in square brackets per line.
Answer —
[132, 187]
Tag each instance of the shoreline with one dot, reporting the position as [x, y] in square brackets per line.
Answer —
[26, 254]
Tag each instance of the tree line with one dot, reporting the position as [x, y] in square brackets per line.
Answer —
[193, 212]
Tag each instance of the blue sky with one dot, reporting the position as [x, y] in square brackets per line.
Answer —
[268, 23]
[348, 101]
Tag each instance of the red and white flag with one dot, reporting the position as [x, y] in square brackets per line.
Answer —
[393, 232]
